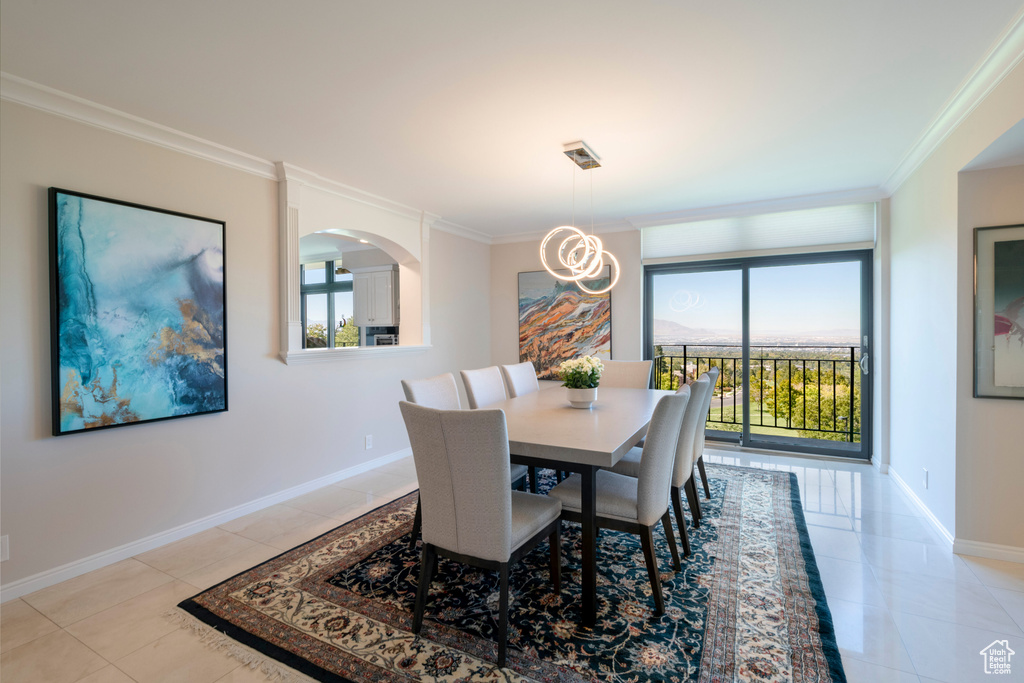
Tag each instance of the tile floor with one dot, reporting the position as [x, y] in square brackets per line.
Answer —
[905, 608]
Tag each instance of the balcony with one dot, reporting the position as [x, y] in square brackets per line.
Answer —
[804, 392]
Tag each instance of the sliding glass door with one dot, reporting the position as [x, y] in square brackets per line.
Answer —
[790, 337]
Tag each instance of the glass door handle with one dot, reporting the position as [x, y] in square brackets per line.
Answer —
[864, 363]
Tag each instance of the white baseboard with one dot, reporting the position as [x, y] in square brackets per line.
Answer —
[936, 524]
[50, 577]
[992, 551]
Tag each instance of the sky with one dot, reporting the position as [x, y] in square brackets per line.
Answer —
[800, 299]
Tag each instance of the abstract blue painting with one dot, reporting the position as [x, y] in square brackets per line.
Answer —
[137, 313]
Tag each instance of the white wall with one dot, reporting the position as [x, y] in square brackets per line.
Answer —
[881, 350]
[64, 499]
[926, 285]
[989, 443]
[508, 260]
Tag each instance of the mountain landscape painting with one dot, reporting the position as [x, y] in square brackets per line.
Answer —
[558, 321]
[137, 313]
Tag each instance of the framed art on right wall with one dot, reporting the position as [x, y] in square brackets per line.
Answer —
[999, 312]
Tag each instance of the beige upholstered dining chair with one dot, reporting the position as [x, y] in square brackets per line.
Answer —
[636, 504]
[442, 393]
[682, 470]
[439, 392]
[520, 379]
[475, 518]
[484, 387]
[626, 374]
[698, 443]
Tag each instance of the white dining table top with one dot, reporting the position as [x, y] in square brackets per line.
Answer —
[544, 425]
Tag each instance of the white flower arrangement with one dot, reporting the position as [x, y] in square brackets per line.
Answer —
[581, 373]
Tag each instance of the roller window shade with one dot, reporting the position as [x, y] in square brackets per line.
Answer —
[839, 225]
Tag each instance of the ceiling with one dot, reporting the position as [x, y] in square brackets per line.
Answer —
[328, 246]
[461, 107]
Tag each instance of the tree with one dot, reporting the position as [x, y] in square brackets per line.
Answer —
[316, 336]
[347, 334]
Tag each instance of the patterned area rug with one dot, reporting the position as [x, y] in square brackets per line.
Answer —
[748, 604]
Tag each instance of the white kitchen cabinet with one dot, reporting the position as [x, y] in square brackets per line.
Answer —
[375, 297]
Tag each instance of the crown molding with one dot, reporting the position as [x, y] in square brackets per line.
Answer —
[602, 229]
[811, 201]
[437, 223]
[286, 171]
[44, 98]
[1004, 55]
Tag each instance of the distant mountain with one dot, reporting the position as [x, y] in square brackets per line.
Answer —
[667, 332]
[672, 330]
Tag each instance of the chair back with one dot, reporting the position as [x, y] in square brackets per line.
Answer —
[694, 416]
[469, 512]
[655, 481]
[698, 441]
[439, 392]
[626, 374]
[484, 386]
[520, 379]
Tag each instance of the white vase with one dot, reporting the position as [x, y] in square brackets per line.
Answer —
[581, 398]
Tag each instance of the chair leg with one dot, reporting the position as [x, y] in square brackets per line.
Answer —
[428, 560]
[647, 541]
[694, 501]
[704, 477]
[417, 521]
[503, 616]
[558, 476]
[666, 521]
[677, 503]
[555, 541]
[532, 474]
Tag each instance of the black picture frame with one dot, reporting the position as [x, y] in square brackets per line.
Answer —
[138, 313]
[999, 312]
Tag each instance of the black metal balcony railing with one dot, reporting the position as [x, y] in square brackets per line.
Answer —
[813, 391]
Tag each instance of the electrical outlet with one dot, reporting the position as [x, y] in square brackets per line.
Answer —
[369, 441]
[5, 550]
[925, 481]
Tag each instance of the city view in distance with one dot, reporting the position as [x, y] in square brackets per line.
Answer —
[789, 305]
[804, 378]
[670, 333]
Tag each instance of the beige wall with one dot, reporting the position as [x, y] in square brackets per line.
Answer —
[926, 325]
[989, 466]
[65, 499]
[508, 260]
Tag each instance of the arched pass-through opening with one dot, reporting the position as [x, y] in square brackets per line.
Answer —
[311, 205]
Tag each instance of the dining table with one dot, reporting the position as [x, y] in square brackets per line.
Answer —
[545, 431]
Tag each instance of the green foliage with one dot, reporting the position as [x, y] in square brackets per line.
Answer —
[347, 335]
[580, 373]
[316, 336]
[810, 395]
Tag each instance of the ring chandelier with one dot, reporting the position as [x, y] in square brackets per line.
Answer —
[583, 255]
